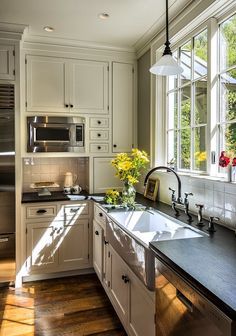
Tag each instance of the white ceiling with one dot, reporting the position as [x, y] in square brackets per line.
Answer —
[131, 22]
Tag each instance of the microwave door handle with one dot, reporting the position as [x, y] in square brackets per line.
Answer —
[72, 134]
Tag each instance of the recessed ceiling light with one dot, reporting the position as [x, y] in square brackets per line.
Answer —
[103, 16]
[48, 29]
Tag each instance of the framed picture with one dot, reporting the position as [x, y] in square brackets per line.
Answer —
[151, 189]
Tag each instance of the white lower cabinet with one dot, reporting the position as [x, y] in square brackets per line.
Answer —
[59, 240]
[133, 302]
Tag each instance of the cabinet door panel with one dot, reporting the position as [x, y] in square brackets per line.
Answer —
[89, 86]
[74, 245]
[98, 249]
[123, 97]
[141, 309]
[104, 176]
[41, 250]
[7, 62]
[118, 288]
[46, 84]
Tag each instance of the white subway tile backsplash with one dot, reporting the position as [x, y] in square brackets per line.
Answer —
[53, 170]
[230, 220]
[219, 198]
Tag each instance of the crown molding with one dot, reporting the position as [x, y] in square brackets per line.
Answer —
[12, 31]
[56, 41]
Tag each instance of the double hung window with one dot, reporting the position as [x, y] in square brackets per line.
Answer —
[187, 107]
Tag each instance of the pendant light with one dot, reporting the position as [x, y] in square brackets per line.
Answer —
[166, 65]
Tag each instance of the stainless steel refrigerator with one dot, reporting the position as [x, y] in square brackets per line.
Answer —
[7, 183]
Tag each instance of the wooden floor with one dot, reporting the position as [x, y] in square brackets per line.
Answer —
[68, 306]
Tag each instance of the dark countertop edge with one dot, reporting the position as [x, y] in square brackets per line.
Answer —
[230, 312]
[32, 197]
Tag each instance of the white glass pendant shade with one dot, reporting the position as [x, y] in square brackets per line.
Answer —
[166, 66]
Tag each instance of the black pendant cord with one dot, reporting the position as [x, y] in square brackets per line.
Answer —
[167, 50]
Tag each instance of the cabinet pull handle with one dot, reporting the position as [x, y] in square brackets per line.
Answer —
[41, 211]
[96, 233]
[74, 210]
[66, 105]
[186, 302]
[99, 147]
[100, 214]
[99, 122]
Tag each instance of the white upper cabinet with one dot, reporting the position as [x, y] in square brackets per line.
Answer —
[66, 85]
[89, 89]
[7, 62]
[123, 106]
[46, 84]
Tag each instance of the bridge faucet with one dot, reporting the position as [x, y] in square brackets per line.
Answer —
[178, 200]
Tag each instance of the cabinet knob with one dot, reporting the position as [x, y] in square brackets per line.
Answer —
[106, 242]
[99, 147]
[100, 214]
[115, 146]
[125, 278]
[66, 105]
[96, 233]
[71, 105]
[99, 122]
[99, 134]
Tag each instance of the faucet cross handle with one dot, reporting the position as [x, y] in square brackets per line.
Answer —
[173, 194]
[186, 196]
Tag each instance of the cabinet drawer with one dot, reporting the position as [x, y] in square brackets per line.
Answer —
[33, 212]
[99, 122]
[98, 135]
[100, 216]
[73, 211]
[98, 148]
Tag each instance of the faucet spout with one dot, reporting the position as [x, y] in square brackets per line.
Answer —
[179, 199]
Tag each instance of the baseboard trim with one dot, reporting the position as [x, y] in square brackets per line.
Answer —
[45, 276]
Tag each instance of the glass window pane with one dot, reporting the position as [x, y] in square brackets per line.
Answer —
[185, 62]
[186, 106]
[228, 141]
[200, 54]
[200, 102]
[185, 147]
[172, 110]
[172, 148]
[228, 43]
[228, 96]
[230, 138]
[200, 148]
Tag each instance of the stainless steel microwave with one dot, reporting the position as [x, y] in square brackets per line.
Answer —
[55, 134]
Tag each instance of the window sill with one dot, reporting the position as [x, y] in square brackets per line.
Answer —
[201, 177]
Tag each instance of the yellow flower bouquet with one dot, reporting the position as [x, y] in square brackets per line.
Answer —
[128, 169]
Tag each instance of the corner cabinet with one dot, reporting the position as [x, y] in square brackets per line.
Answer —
[66, 85]
[123, 107]
[57, 237]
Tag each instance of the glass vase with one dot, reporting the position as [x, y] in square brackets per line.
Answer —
[128, 195]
